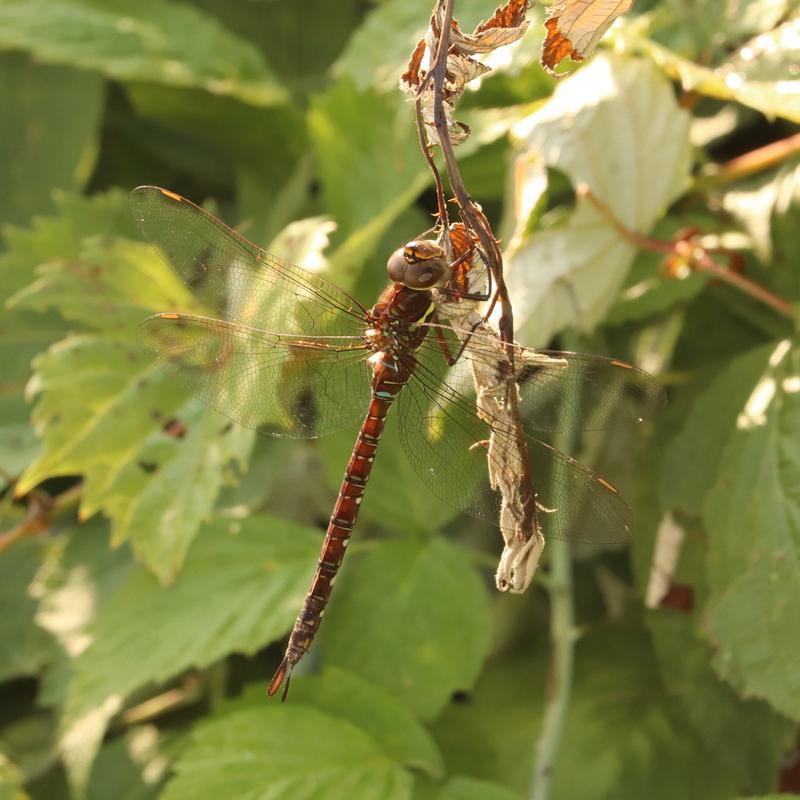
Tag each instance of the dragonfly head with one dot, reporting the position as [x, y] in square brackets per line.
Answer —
[419, 265]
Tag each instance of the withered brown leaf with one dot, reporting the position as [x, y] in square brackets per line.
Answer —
[574, 28]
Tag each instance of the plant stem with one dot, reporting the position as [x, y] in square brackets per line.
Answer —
[748, 164]
[562, 632]
[562, 635]
[695, 256]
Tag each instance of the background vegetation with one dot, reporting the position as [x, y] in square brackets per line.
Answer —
[143, 610]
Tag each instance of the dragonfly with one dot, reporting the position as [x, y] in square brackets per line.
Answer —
[282, 350]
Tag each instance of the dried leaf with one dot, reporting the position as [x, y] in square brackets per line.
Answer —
[574, 28]
[506, 25]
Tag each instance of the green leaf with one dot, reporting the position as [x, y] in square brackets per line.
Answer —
[28, 647]
[625, 732]
[615, 127]
[747, 739]
[48, 138]
[106, 412]
[79, 575]
[111, 286]
[240, 589]
[473, 731]
[272, 751]
[379, 50]
[140, 40]
[410, 616]
[256, 572]
[23, 333]
[126, 767]
[753, 519]
[462, 788]
[693, 458]
[384, 718]
[368, 154]
[10, 781]
[773, 98]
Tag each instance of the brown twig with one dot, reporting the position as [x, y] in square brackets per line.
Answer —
[41, 508]
[693, 254]
[770, 155]
[475, 220]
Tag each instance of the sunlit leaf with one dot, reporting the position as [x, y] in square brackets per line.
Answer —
[105, 412]
[615, 127]
[741, 83]
[574, 27]
[10, 781]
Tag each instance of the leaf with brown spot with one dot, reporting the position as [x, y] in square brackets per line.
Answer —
[511, 15]
[574, 28]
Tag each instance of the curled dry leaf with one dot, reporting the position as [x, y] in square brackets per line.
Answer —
[505, 26]
[574, 28]
[494, 382]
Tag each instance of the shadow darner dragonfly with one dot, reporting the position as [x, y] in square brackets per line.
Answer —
[281, 350]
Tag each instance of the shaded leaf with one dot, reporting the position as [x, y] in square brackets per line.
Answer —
[248, 580]
[48, 138]
[240, 589]
[79, 575]
[693, 458]
[617, 698]
[27, 647]
[389, 723]
[140, 40]
[462, 788]
[410, 616]
[368, 155]
[753, 519]
[273, 751]
[747, 739]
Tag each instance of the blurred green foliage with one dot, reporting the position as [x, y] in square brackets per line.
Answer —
[140, 621]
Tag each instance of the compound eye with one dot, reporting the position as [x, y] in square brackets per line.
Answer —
[396, 266]
[425, 274]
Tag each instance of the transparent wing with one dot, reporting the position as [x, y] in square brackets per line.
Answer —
[444, 440]
[557, 390]
[299, 386]
[236, 279]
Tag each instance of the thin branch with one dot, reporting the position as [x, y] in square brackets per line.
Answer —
[694, 255]
[770, 155]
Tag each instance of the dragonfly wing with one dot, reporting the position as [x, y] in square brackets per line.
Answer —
[279, 384]
[236, 279]
[556, 390]
[446, 442]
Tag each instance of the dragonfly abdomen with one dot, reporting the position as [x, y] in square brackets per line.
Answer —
[386, 384]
